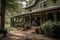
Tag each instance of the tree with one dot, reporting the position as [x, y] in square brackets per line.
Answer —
[10, 5]
[3, 5]
[54, 1]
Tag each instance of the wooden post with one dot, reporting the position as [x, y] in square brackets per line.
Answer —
[55, 16]
[40, 18]
[46, 14]
[17, 21]
[23, 19]
[3, 6]
[11, 23]
[30, 19]
[43, 17]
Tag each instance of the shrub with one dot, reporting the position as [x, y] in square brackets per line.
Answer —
[28, 27]
[51, 29]
[22, 25]
[38, 30]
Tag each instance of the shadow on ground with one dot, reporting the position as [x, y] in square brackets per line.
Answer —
[25, 35]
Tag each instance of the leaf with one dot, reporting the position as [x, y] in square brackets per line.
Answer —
[54, 1]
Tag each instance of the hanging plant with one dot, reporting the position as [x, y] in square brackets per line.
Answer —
[54, 1]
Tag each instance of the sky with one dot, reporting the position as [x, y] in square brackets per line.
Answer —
[23, 3]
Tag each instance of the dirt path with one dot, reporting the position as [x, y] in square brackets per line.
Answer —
[25, 35]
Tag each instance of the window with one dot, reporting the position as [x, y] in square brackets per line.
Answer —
[51, 16]
[40, 5]
[45, 4]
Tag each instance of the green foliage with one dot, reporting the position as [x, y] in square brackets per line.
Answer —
[37, 30]
[22, 25]
[51, 29]
[12, 5]
[54, 1]
[28, 27]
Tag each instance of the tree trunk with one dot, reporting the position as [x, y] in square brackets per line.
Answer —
[3, 5]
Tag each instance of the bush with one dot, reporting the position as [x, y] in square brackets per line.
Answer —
[51, 29]
[28, 27]
[22, 25]
[37, 30]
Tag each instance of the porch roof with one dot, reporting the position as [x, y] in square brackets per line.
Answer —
[41, 10]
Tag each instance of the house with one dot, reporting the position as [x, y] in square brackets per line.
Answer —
[39, 12]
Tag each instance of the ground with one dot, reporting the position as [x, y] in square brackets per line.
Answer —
[17, 34]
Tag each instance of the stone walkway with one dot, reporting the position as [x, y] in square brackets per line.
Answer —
[24, 35]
